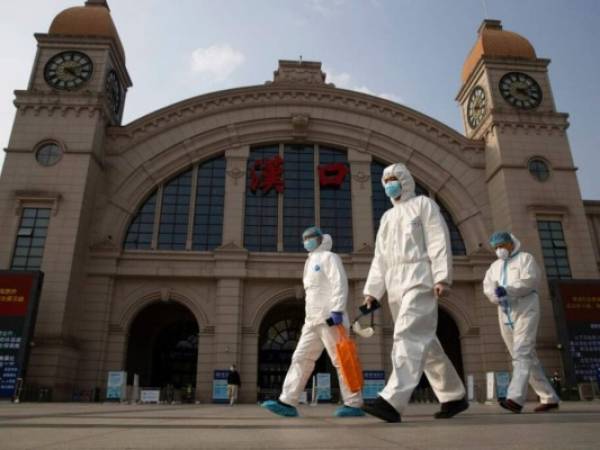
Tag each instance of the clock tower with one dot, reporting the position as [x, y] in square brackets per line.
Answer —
[506, 100]
[53, 172]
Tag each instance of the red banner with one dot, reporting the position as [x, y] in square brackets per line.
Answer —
[581, 302]
[14, 294]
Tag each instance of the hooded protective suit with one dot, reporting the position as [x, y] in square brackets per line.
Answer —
[412, 254]
[520, 275]
[326, 288]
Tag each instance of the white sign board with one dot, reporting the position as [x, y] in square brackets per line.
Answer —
[491, 386]
[150, 396]
[470, 388]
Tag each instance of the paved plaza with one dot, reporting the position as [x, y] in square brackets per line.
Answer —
[114, 426]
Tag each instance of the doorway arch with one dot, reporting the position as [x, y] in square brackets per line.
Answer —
[279, 333]
[163, 346]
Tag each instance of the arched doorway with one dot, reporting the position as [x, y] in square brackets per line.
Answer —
[163, 348]
[449, 336]
[279, 334]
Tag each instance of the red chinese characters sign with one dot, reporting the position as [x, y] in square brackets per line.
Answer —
[267, 174]
[332, 175]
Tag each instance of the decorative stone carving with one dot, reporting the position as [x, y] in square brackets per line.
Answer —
[300, 125]
[236, 173]
[299, 72]
[362, 178]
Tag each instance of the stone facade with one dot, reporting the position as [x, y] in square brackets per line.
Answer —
[94, 288]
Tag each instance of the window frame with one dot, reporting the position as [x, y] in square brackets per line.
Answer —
[555, 226]
[535, 174]
[281, 196]
[42, 145]
[31, 235]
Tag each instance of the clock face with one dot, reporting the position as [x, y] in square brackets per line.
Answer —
[520, 90]
[113, 91]
[68, 70]
[476, 107]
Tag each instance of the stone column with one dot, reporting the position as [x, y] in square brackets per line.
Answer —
[362, 210]
[228, 308]
[204, 368]
[235, 196]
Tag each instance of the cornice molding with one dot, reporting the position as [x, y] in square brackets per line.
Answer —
[274, 95]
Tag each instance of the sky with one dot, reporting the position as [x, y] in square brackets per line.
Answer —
[408, 51]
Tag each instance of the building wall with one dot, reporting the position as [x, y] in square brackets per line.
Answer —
[94, 288]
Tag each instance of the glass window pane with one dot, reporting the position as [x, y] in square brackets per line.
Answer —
[298, 197]
[258, 236]
[141, 226]
[208, 218]
[554, 249]
[29, 245]
[172, 230]
[336, 197]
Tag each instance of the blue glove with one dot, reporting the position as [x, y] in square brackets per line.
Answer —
[500, 292]
[337, 317]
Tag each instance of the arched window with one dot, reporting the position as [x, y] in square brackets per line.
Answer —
[381, 203]
[182, 223]
[309, 184]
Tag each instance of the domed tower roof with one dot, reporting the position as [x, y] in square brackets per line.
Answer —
[91, 20]
[493, 41]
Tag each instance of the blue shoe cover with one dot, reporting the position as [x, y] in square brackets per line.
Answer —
[348, 411]
[282, 410]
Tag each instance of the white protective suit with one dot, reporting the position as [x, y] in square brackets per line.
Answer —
[412, 254]
[520, 275]
[326, 288]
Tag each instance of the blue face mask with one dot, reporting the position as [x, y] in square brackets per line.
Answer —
[393, 189]
[311, 244]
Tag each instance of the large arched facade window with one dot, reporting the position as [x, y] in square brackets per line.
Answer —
[381, 203]
[294, 186]
[184, 213]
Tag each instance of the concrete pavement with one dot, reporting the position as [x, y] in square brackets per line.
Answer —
[120, 426]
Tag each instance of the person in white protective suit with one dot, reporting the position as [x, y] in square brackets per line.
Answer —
[326, 288]
[511, 283]
[413, 264]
